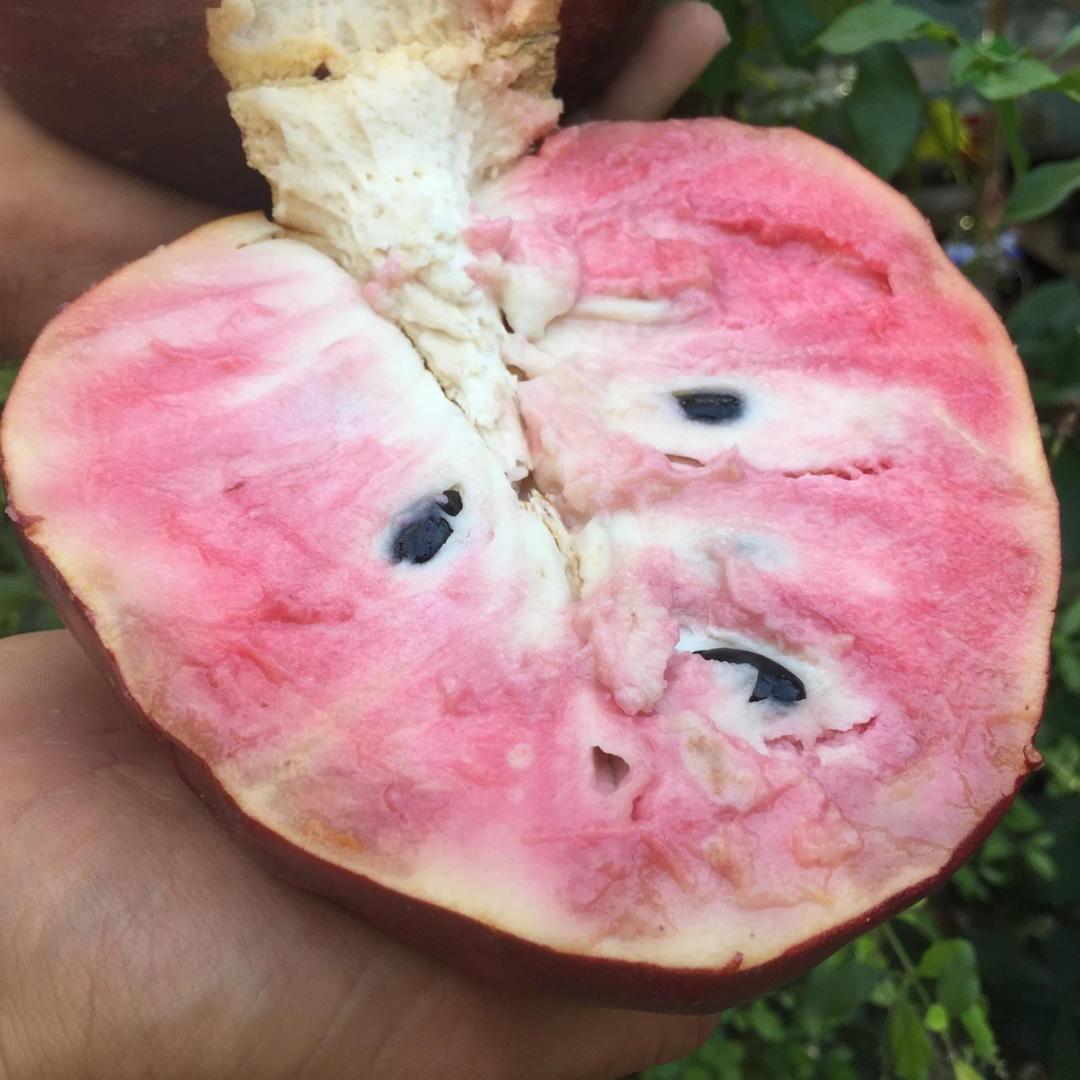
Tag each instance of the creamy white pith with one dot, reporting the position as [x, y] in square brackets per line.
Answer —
[378, 162]
[533, 741]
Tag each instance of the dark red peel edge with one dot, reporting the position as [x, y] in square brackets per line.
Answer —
[470, 946]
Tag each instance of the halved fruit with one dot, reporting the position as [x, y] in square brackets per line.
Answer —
[751, 658]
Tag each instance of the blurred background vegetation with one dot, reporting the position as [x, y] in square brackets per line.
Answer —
[973, 110]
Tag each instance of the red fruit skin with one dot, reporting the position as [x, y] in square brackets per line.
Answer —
[131, 81]
[466, 944]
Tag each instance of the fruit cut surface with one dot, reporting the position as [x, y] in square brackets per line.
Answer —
[755, 655]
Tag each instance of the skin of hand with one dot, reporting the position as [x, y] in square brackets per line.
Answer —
[136, 940]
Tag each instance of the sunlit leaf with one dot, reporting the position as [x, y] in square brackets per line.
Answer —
[1042, 864]
[871, 24]
[939, 956]
[963, 1071]
[937, 1018]
[909, 1042]
[765, 1022]
[1019, 76]
[958, 984]
[946, 136]
[982, 1036]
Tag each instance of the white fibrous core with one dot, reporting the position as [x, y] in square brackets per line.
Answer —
[374, 124]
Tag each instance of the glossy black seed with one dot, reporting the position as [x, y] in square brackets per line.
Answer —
[420, 539]
[452, 503]
[710, 406]
[774, 681]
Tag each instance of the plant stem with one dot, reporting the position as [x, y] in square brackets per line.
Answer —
[992, 180]
[913, 977]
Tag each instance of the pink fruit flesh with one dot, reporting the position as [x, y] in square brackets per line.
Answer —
[216, 449]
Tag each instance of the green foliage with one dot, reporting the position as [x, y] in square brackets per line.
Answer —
[868, 1007]
[1042, 189]
[1044, 326]
[793, 27]
[885, 109]
[23, 606]
[872, 24]
[998, 71]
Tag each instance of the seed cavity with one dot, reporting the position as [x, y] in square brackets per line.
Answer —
[419, 539]
[710, 406]
[610, 769]
[680, 461]
[774, 681]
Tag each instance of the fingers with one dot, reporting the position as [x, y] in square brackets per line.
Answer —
[68, 220]
[682, 41]
[129, 920]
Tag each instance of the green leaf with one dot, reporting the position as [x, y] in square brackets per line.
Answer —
[1020, 76]
[871, 24]
[793, 26]
[937, 1018]
[7, 379]
[1069, 84]
[765, 1022]
[1041, 863]
[1044, 327]
[1068, 622]
[958, 985]
[833, 992]
[918, 916]
[885, 109]
[1023, 817]
[1068, 42]
[999, 49]
[1009, 115]
[1042, 190]
[939, 956]
[837, 1064]
[963, 1071]
[909, 1042]
[982, 1036]
[1068, 667]
[967, 880]
[723, 1056]
[961, 62]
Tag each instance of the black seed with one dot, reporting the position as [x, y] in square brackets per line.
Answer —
[710, 406]
[774, 681]
[321, 72]
[420, 538]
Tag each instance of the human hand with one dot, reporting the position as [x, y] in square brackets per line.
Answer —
[137, 941]
[68, 219]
